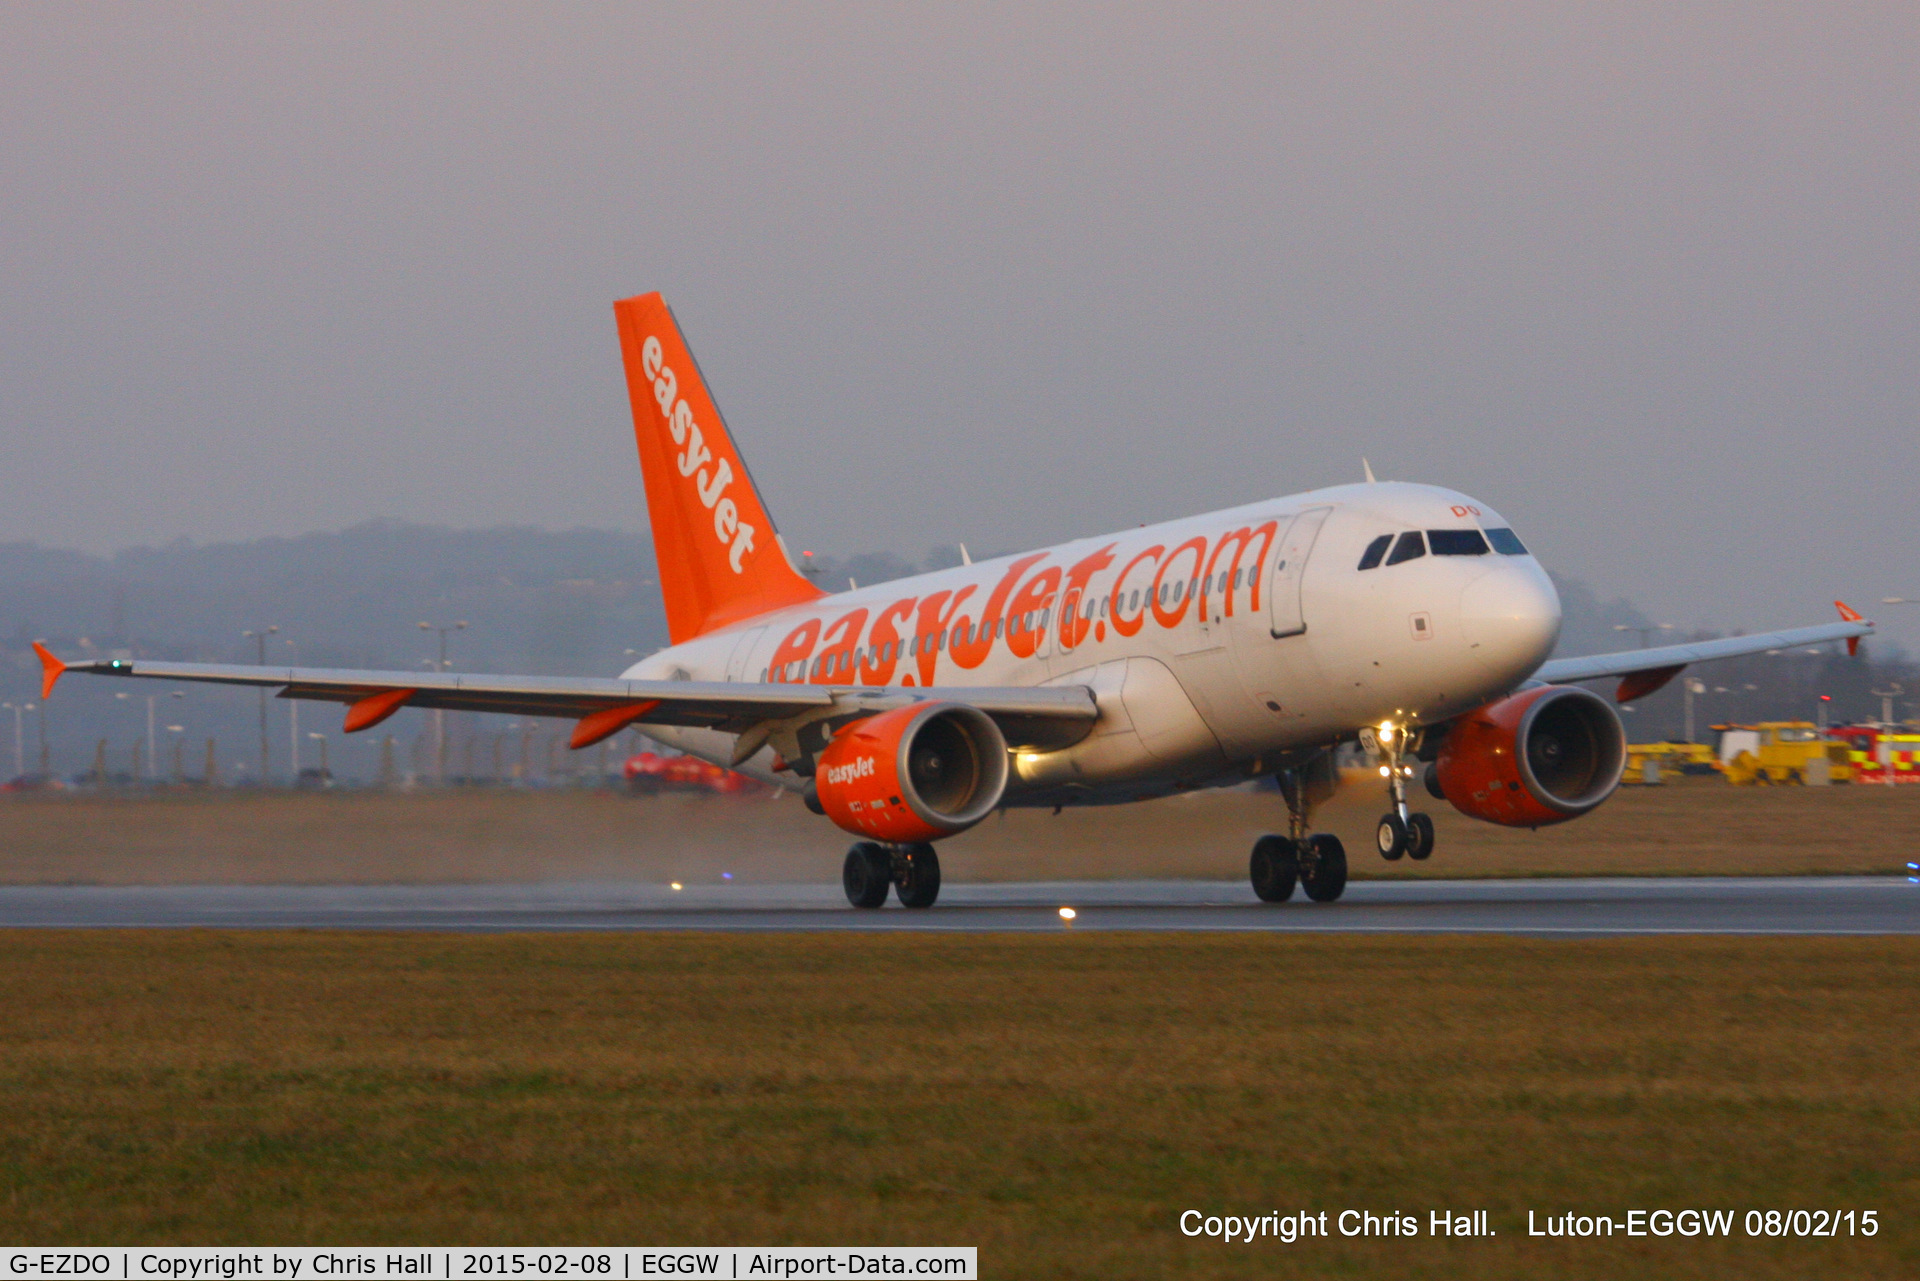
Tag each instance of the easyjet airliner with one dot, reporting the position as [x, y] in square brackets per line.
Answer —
[1199, 653]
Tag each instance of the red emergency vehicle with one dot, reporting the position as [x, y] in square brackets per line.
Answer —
[650, 772]
[1881, 753]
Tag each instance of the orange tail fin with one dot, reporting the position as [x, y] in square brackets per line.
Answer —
[720, 559]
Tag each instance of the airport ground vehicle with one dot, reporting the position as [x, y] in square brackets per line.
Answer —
[1782, 752]
[1194, 653]
[650, 772]
[1662, 762]
[1880, 754]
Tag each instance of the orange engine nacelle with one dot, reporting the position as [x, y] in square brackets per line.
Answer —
[913, 774]
[1537, 757]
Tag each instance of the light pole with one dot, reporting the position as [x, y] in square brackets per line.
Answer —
[259, 638]
[1644, 632]
[179, 752]
[19, 736]
[293, 722]
[439, 713]
[325, 773]
[1692, 686]
[139, 770]
[1886, 697]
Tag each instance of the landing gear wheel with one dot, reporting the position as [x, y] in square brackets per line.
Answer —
[1274, 868]
[1323, 873]
[1390, 837]
[916, 873]
[1419, 837]
[867, 874]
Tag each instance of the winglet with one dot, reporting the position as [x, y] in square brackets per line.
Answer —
[50, 669]
[1851, 615]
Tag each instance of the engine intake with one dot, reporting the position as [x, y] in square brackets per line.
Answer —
[913, 774]
[1534, 758]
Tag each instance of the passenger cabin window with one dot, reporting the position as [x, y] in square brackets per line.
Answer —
[1410, 547]
[1456, 542]
[1506, 542]
[1375, 550]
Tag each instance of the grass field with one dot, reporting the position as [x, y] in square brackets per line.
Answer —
[368, 838]
[1057, 1101]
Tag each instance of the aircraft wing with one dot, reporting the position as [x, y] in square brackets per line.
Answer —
[1026, 715]
[1646, 670]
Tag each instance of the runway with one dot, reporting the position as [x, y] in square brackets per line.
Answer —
[1725, 905]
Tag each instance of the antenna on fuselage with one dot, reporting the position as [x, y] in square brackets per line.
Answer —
[965, 559]
[1367, 467]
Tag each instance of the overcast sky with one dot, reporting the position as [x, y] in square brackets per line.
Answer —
[1642, 278]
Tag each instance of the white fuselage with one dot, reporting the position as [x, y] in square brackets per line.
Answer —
[1212, 643]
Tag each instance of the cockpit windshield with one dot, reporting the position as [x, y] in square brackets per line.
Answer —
[1456, 542]
[1410, 547]
[1413, 544]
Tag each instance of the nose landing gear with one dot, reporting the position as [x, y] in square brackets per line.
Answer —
[1315, 862]
[871, 869]
[1402, 831]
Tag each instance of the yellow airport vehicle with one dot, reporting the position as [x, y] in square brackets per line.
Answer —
[1782, 752]
[1661, 762]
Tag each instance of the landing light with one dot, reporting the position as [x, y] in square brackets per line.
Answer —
[1067, 914]
[676, 886]
[1386, 731]
[1386, 771]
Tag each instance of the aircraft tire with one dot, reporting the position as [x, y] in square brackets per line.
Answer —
[1390, 838]
[1324, 876]
[1419, 838]
[867, 874]
[1274, 868]
[917, 876]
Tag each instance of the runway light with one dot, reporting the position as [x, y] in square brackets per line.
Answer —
[1067, 914]
[676, 886]
[726, 876]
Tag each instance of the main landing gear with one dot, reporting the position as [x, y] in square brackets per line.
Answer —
[1401, 831]
[872, 869]
[1316, 862]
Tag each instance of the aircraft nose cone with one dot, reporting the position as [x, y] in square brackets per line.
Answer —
[1511, 617]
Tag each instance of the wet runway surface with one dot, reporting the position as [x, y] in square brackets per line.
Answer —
[1729, 905]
